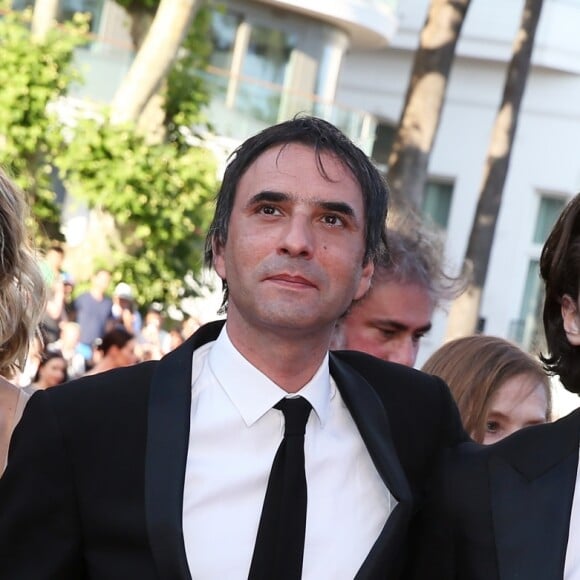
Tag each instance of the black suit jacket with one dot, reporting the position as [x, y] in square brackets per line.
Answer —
[502, 511]
[94, 486]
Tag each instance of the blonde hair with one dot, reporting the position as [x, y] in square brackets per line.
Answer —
[475, 367]
[22, 288]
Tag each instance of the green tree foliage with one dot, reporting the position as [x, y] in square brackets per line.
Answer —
[32, 75]
[138, 4]
[186, 92]
[159, 196]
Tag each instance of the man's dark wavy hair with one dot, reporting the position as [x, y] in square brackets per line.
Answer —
[323, 137]
[560, 270]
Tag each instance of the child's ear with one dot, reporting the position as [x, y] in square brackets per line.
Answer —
[571, 320]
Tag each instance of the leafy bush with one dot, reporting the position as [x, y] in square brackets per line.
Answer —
[32, 75]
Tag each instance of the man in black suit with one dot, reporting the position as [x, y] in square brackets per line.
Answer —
[512, 510]
[160, 470]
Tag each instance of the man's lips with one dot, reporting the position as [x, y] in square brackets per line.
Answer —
[291, 280]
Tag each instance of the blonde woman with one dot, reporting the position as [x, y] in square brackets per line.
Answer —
[498, 387]
[22, 296]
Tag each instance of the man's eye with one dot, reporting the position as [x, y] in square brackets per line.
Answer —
[387, 332]
[268, 210]
[418, 337]
[332, 220]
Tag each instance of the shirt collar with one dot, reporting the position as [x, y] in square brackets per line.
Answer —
[253, 393]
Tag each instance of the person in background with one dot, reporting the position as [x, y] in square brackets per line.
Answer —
[153, 340]
[117, 349]
[50, 373]
[175, 338]
[124, 310]
[23, 377]
[93, 311]
[55, 312]
[409, 282]
[498, 387]
[512, 510]
[68, 346]
[22, 295]
[69, 286]
[190, 325]
[51, 265]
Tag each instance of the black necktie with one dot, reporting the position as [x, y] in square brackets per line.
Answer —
[279, 545]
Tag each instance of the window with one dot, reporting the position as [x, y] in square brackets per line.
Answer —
[550, 209]
[268, 54]
[69, 7]
[266, 61]
[22, 4]
[384, 137]
[528, 330]
[223, 32]
[437, 202]
[94, 7]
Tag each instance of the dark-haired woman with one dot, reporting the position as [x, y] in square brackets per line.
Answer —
[50, 373]
[117, 349]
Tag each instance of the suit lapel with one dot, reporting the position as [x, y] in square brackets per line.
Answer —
[371, 420]
[532, 487]
[166, 454]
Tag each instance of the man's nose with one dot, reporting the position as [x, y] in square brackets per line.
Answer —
[297, 238]
[405, 353]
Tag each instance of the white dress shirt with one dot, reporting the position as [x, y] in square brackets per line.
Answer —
[233, 439]
[572, 566]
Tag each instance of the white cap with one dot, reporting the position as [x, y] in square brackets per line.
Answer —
[124, 291]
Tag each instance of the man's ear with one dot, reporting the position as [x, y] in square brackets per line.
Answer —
[365, 280]
[571, 319]
[218, 257]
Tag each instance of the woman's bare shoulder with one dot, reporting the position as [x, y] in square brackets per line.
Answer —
[12, 398]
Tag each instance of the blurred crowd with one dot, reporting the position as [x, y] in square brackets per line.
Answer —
[95, 330]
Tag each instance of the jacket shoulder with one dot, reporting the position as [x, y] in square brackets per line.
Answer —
[412, 399]
[117, 392]
[383, 375]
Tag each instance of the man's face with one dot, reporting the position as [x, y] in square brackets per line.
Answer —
[293, 259]
[55, 259]
[125, 356]
[101, 281]
[153, 319]
[390, 322]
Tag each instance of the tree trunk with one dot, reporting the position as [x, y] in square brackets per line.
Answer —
[44, 16]
[463, 318]
[409, 156]
[141, 19]
[154, 59]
